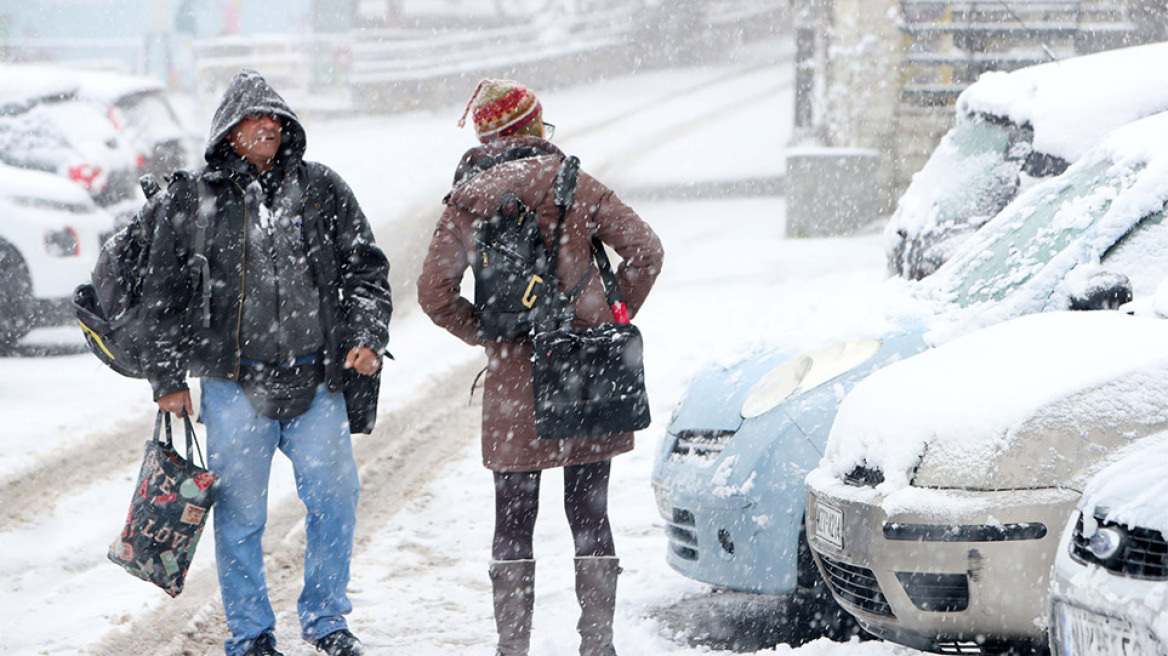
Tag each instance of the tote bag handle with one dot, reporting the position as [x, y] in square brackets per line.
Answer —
[162, 419]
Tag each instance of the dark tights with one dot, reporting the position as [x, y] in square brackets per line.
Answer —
[585, 502]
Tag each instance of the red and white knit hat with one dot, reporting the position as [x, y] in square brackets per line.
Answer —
[503, 108]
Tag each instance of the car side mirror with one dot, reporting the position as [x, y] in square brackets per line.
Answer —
[1103, 291]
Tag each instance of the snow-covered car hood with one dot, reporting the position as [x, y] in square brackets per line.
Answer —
[1132, 491]
[714, 397]
[1033, 402]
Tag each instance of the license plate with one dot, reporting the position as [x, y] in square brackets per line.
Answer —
[1088, 634]
[829, 525]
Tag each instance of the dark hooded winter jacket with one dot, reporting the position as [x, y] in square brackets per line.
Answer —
[527, 167]
[349, 270]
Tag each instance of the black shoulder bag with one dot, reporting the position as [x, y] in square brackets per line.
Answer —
[587, 381]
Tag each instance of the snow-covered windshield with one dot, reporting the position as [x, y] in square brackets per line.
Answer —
[1018, 244]
[30, 140]
[970, 177]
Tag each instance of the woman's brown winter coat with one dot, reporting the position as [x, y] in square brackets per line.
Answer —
[508, 431]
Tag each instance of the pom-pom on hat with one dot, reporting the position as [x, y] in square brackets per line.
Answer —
[502, 108]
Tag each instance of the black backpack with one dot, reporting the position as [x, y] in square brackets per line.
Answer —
[109, 307]
[511, 266]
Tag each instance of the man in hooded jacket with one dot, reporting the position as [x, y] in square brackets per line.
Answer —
[265, 283]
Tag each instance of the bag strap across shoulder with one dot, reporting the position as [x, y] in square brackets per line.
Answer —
[565, 195]
[206, 206]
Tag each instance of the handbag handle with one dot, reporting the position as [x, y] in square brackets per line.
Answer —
[162, 419]
[612, 292]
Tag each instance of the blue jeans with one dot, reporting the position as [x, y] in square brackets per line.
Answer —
[240, 447]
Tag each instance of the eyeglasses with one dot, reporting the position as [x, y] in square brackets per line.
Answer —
[549, 130]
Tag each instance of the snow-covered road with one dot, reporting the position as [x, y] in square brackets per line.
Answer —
[72, 431]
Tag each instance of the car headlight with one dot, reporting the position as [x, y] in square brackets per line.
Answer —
[62, 243]
[805, 372]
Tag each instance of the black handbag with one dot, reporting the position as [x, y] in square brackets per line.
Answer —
[587, 381]
[361, 393]
[167, 512]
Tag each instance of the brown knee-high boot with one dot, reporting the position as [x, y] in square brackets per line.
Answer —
[596, 592]
[513, 589]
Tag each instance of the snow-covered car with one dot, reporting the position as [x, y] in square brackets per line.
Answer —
[936, 512]
[44, 125]
[1013, 129]
[145, 119]
[729, 473]
[1109, 587]
[50, 235]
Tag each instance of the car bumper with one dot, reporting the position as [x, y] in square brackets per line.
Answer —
[1093, 608]
[731, 542]
[908, 575]
[734, 516]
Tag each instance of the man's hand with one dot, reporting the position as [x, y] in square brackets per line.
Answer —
[177, 402]
[363, 359]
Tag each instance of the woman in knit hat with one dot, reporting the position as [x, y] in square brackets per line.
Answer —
[516, 157]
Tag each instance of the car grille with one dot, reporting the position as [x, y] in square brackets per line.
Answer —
[959, 647]
[857, 586]
[1143, 556]
[683, 535]
[707, 444]
[864, 476]
[936, 593]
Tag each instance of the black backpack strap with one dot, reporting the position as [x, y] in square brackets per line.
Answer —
[206, 206]
[564, 194]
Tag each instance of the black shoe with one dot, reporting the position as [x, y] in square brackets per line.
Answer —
[264, 645]
[340, 643]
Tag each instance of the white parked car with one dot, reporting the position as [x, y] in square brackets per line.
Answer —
[141, 112]
[1109, 589]
[45, 125]
[935, 513]
[50, 235]
[1013, 129]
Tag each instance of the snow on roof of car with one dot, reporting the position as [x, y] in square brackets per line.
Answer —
[1073, 103]
[33, 81]
[112, 87]
[20, 89]
[1133, 489]
[976, 388]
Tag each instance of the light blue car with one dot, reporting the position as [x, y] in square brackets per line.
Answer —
[729, 473]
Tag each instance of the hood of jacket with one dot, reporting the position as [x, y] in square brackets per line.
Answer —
[247, 94]
[525, 166]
